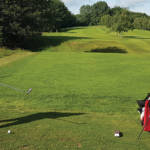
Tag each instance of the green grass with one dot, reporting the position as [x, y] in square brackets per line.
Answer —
[97, 37]
[79, 99]
[6, 52]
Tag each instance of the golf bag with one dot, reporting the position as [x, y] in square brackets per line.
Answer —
[144, 110]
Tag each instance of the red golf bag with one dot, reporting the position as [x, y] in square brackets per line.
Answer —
[146, 124]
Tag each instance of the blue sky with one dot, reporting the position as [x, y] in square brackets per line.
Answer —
[133, 5]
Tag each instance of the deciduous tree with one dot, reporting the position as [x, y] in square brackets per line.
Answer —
[99, 9]
[85, 14]
[122, 22]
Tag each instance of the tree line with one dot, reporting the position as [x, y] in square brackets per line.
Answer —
[23, 19]
[117, 18]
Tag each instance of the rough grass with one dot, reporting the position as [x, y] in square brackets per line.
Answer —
[5, 52]
[8, 56]
[78, 99]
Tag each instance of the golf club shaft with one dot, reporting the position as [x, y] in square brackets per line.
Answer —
[140, 134]
[11, 87]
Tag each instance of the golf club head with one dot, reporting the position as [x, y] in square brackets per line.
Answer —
[29, 91]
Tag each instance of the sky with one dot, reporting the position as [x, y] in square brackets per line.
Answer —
[133, 5]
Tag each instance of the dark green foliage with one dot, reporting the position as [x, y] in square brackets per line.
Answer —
[142, 23]
[20, 21]
[85, 15]
[126, 20]
[122, 22]
[137, 15]
[106, 20]
[116, 10]
[98, 10]
[61, 17]
[117, 18]
[23, 19]
[79, 20]
[90, 15]
[56, 16]
[1, 20]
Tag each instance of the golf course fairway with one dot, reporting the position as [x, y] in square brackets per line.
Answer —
[85, 82]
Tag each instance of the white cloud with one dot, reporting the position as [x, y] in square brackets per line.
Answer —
[130, 3]
[67, 1]
[135, 5]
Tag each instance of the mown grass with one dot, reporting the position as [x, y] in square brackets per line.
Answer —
[79, 99]
[97, 37]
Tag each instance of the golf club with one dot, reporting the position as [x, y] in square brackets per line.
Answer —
[27, 92]
[140, 134]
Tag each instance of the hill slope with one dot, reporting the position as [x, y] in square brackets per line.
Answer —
[97, 37]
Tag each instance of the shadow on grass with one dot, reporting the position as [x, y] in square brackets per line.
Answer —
[134, 37]
[39, 116]
[39, 43]
[108, 50]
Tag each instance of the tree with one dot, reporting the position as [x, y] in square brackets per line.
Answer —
[18, 22]
[98, 10]
[79, 20]
[70, 20]
[85, 14]
[56, 16]
[1, 20]
[122, 22]
[142, 23]
[116, 10]
[65, 17]
[106, 20]
[21, 20]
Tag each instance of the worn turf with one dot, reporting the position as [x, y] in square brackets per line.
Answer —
[80, 94]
